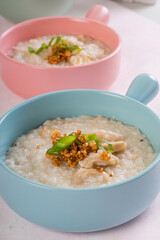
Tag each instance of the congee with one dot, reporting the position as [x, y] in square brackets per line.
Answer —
[60, 51]
[80, 152]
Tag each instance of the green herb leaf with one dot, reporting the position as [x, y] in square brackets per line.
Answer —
[49, 44]
[79, 143]
[59, 44]
[31, 50]
[91, 137]
[56, 52]
[61, 145]
[58, 40]
[64, 41]
[64, 47]
[43, 46]
[77, 48]
[111, 150]
[40, 49]
[87, 139]
[71, 134]
[99, 144]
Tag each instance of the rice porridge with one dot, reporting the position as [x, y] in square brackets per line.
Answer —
[62, 50]
[82, 151]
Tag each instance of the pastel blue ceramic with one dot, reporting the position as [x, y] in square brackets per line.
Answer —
[91, 209]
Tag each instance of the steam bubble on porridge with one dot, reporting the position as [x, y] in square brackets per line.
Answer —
[80, 152]
[60, 50]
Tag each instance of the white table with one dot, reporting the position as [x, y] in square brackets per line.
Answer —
[149, 11]
[147, 225]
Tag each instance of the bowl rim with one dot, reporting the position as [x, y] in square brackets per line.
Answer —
[77, 19]
[101, 187]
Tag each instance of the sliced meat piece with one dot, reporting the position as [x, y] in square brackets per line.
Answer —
[94, 158]
[117, 146]
[106, 135]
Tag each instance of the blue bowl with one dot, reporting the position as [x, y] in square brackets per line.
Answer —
[85, 209]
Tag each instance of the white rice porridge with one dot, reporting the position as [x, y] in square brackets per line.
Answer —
[27, 157]
[91, 50]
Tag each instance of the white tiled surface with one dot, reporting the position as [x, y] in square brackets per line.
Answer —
[134, 61]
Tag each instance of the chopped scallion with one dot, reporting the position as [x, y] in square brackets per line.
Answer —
[91, 137]
[62, 144]
[99, 144]
[59, 44]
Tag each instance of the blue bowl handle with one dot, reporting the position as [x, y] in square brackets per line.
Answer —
[143, 88]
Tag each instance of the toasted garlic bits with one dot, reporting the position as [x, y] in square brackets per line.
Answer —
[76, 151]
[60, 51]
[80, 152]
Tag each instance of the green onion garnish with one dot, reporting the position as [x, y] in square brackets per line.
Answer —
[62, 144]
[59, 44]
[43, 46]
[91, 137]
[31, 50]
[59, 39]
[99, 144]
[111, 150]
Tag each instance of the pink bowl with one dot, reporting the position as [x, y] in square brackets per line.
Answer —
[30, 80]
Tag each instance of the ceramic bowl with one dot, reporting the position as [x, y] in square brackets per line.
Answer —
[20, 10]
[82, 209]
[30, 80]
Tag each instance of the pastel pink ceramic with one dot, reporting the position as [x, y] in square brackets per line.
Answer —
[30, 80]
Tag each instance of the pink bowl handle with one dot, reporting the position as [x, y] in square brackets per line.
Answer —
[99, 13]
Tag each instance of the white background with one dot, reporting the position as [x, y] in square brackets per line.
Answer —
[140, 53]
